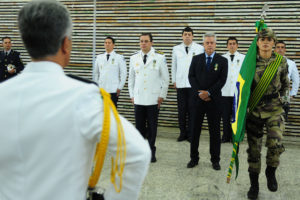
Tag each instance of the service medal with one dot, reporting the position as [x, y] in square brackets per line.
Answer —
[10, 67]
[113, 61]
[216, 66]
[154, 63]
[238, 61]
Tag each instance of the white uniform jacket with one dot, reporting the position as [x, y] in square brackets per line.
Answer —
[181, 62]
[148, 81]
[50, 124]
[233, 73]
[293, 76]
[110, 74]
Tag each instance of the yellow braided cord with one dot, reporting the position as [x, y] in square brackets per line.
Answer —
[234, 150]
[102, 145]
[119, 162]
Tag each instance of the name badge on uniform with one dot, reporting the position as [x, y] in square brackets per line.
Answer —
[216, 67]
[154, 63]
[113, 61]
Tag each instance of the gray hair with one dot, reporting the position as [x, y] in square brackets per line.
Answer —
[210, 34]
[43, 25]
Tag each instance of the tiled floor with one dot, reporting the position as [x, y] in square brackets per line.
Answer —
[169, 179]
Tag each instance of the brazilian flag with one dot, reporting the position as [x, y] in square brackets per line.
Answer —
[241, 97]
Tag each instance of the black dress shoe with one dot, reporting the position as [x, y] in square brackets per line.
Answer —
[153, 159]
[189, 140]
[216, 166]
[225, 140]
[181, 138]
[192, 164]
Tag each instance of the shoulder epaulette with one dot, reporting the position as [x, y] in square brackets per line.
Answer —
[81, 79]
[159, 52]
[136, 52]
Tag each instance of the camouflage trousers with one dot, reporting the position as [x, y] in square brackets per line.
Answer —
[275, 127]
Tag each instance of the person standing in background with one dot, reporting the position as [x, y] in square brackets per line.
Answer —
[10, 61]
[148, 84]
[182, 55]
[207, 76]
[280, 48]
[110, 70]
[235, 61]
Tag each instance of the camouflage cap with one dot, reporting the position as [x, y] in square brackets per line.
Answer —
[268, 32]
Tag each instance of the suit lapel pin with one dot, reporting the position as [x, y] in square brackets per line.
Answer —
[216, 66]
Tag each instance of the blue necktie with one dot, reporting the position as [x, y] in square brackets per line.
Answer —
[208, 63]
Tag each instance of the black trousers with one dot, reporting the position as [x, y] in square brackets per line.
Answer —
[184, 110]
[146, 123]
[213, 114]
[226, 117]
[114, 98]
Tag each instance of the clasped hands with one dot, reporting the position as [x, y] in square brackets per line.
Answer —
[203, 94]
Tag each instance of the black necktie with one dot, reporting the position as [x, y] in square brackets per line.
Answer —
[145, 59]
[187, 50]
[231, 56]
[208, 62]
[6, 54]
[107, 56]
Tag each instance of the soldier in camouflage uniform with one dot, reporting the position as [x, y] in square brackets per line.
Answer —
[269, 112]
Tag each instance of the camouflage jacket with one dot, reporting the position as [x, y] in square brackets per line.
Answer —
[279, 85]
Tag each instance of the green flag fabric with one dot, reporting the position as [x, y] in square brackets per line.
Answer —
[241, 98]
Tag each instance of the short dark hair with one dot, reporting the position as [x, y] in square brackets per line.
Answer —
[43, 26]
[111, 38]
[187, 29]
[280, 42]
[147, 34]
[6, 37]
[232, 38]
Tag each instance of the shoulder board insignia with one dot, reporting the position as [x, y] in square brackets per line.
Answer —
[136, 52]
[159, 52]
[81, 79]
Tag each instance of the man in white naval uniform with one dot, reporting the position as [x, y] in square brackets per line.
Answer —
[181, 60]
[110, 70]
[148, 86]
[235, 61]
[280, 48]
[51, 122]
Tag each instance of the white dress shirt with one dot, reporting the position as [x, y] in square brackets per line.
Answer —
[233, 73]
[181, 62]
[50, 124]
[110, 74]
[148, 81]
[293, 76]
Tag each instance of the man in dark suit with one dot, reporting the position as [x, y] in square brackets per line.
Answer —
[207, 75]
[10, 61]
